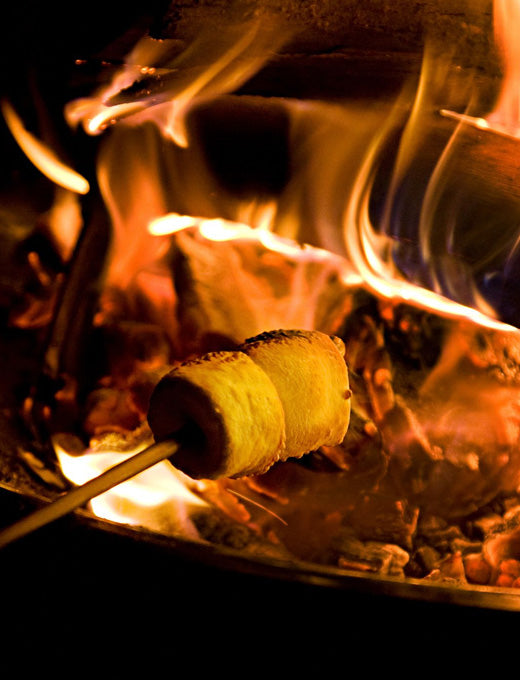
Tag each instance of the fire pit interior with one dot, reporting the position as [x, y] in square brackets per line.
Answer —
[220, 170]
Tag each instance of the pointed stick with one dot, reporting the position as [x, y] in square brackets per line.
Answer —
[80, 495]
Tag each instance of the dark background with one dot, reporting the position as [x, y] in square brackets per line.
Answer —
[72, 592]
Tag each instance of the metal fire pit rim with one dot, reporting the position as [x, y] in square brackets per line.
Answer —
[310, 574]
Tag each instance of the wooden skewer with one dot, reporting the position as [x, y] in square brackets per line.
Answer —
[80, 495]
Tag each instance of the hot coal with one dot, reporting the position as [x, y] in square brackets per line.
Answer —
[410, 478]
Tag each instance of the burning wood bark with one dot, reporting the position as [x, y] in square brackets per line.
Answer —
[261, 287]
[324, 27]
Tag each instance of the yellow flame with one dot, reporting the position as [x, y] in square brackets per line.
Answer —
[259, 217]
[169, 224]
[506, 115]
[141, 184]
[157, 499]
[219, 229]
[365, 249]
[176, 127]
[215, 63]
[65, 221]
[96, 112]
[41, 156]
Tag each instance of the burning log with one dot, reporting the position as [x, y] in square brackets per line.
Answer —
[263, 283]
[466, 174]
[329, 26]
[335, 49]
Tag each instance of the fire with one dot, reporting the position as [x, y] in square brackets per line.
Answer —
[169, 224]
[43, 158]
[504, 119]
[212, 65]
[219, 229]
[506, 115]
[363, 247]
[159, 85]
[158, 498]
[367, 250]
[261, 262]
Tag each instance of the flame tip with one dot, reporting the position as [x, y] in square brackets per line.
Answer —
[40, 155]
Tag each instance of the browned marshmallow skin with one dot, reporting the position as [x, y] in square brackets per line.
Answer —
[311, 377]
[282, 394]
[224, 411]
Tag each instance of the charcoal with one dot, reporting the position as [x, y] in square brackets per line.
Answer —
[485, 525]
[451, 568]
[440, 535]
[464, 546]
[220, 530]
[381, 517]
[502, 546]
[511, 567]
[428, 558]
[382, 558]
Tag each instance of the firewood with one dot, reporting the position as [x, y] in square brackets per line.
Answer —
[322, 27]
[335, 48]
[258, 287]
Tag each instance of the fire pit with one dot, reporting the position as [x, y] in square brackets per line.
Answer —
[209, 209]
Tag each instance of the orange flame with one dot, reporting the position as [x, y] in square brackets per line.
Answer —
[41, 156]
[219, 229]
[215, 63]
[506, 115]
[144, 181]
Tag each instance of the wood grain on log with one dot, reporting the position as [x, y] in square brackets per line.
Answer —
[336, 46]
[329, 25]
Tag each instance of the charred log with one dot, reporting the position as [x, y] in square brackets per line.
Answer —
[321, 27]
